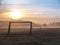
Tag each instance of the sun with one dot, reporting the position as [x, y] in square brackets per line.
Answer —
[15, 14]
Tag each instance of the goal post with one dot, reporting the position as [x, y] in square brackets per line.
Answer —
[30, 29]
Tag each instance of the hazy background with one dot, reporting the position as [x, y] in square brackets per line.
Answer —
[38, 11]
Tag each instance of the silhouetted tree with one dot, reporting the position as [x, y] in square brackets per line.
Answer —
[44, 25]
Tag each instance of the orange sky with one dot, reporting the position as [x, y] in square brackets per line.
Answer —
[43, 11]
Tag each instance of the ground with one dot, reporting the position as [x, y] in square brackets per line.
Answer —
[44, 36]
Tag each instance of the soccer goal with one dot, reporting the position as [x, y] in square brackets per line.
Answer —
[23, 22]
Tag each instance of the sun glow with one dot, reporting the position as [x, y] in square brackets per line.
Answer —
[15, 14]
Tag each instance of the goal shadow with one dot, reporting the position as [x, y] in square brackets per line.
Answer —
[30, 28]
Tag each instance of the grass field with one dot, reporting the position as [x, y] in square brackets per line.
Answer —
[44, 36]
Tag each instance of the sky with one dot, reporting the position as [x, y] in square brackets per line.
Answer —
[45, 9]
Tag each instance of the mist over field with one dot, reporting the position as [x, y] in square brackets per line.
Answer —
[45, 35]
[26, 25]
[21, 27]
